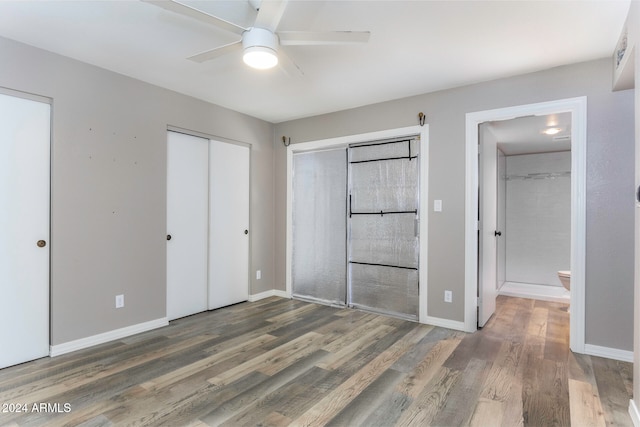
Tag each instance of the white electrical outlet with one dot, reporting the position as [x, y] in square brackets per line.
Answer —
[119, 301]
[448, 296]
[258, 274]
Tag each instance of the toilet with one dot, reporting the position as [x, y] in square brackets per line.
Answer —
[565, 279]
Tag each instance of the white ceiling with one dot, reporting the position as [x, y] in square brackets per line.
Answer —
[524, 135]
[415, 46]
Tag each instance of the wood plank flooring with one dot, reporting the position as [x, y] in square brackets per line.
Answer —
[280, 362]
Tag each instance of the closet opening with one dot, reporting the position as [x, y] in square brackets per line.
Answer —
[354, 229]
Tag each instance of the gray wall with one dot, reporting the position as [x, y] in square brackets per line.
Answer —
[633, 26]
[610, 169]
[633, 19]
[109, 187]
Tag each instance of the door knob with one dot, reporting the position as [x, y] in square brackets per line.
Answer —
[497, 233]
[41, 243]
[246, 231]
[168, 236]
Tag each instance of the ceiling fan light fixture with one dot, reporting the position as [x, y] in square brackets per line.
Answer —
[260, 57]
[260, 48]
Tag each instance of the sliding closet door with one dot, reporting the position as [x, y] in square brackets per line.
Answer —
[319, 226]
[229, 224]
[383, 227]
[24, 218]
[187, 224]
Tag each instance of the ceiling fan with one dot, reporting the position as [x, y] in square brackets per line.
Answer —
[261, 43]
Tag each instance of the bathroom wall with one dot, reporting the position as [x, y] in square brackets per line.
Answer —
[538, 217]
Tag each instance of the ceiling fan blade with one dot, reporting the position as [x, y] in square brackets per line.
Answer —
[309, 38]
[269, 14]
[218, 51]
[287, 65]
[189, 11]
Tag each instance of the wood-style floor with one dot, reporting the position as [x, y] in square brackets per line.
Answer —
[280, 362]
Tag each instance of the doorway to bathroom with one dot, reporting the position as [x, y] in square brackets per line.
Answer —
[532, 157]
[483, 231]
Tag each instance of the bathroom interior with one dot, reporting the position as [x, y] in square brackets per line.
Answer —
[533, 206]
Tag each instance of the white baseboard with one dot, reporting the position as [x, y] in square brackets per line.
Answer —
[608, 352]
[531, 291]
[444, 323]
[82, 343]
[267, 294]
[634, 413]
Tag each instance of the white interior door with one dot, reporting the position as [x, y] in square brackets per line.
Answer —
[488, 234]
[187, 224]
[24, 219]
[228, 224]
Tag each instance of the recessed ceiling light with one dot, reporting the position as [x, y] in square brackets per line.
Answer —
[551, 131]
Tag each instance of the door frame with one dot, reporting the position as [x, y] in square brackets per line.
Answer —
[344, 141]
[578, 109]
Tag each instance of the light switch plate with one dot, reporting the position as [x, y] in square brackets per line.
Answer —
[437, 205]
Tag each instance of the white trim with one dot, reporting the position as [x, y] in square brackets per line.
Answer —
[578, 109]
[82, 343]
[443, 323]
[533, 291]
[634, 413]
[608, 352]
[267, 294]
[343, 141]
[208, 136]
[423, 228]
[26, 95]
